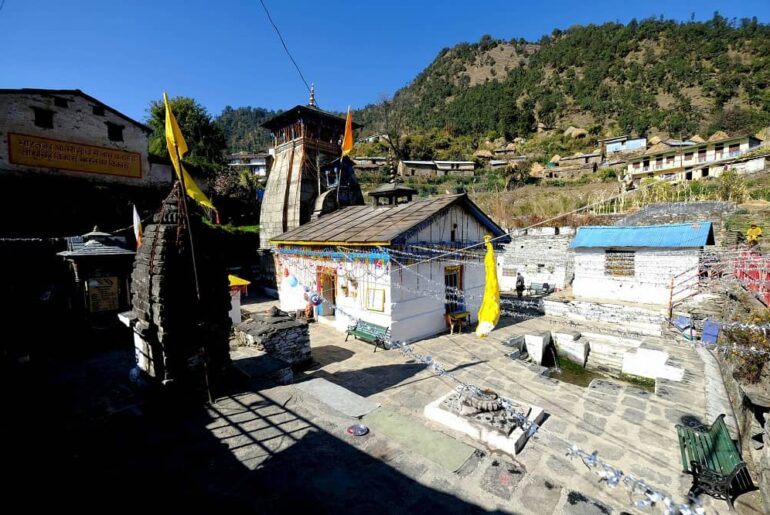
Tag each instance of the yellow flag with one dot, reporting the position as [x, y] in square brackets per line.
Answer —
[347, 141]
[489, 312]
[178, 148]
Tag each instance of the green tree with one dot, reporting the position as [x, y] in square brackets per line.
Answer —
[205, 140]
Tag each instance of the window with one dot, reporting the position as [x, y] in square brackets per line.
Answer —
[509, 272]
[60, 102]
[98, 110]
[619, 263]
[688, 156]
[701, 155]
[114, 131]
[540, 268]
[705, 172]
[43, 118]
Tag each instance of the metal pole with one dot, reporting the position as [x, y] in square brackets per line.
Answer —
[195, 268]
[187, 220]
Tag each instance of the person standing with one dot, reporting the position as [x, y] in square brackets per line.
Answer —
[519, 284]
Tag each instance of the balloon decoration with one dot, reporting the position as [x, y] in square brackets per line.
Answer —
[315, 299]
[293, 281]
[286, 272]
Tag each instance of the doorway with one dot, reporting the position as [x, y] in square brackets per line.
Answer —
[327, 287]
[453, 285]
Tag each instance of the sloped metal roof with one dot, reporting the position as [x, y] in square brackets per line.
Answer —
[670, 235]
[369, 225]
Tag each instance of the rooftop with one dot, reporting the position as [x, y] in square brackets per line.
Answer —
[301, 111]
[54, 92]
[669, 235]
[369, 225]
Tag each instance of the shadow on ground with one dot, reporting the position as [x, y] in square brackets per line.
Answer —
[77, 435]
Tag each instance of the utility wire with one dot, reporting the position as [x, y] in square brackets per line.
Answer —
[284, 44]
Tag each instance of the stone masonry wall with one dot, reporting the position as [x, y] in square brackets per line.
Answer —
[278, 335]
[541, 255]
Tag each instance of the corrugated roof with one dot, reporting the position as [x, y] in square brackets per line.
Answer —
[368, 225]
[670, 235]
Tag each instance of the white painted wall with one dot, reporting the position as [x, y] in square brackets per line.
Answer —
[75, 123]
[357, 276]
[418, 299]
[651, 284]
[468, 228]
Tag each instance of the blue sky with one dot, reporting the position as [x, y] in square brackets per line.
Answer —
[224, 52]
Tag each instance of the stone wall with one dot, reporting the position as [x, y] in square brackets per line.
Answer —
[277, 334]
[541, 255]
[631, 319]
[677, 212]
[75, 123]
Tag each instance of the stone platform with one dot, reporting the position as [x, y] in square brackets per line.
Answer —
[496, 432]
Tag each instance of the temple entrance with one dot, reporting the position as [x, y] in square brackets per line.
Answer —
[327, 285]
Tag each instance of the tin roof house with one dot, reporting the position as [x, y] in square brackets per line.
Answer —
[386, 263]
[652, 264]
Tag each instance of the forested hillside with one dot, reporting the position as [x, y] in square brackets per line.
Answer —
[649, 76]
[242, 130]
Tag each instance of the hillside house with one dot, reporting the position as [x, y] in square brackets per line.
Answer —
[639, 264]
[436, 168]
[457, 168]
[581, 159]
[685, 161]
[369, 262]
[370, 163]
[416, 168]
[622, 144]
[258, 163]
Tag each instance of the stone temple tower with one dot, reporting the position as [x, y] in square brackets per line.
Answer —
[307, 177]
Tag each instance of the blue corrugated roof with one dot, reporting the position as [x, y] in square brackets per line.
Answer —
[670, 235]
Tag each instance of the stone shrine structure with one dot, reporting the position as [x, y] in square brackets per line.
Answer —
[173, 329]
[307, 178]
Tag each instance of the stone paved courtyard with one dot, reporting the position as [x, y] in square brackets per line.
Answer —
[83, 437]
[631, 428]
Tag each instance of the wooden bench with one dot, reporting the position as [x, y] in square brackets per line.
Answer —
[714, 461]
[372, 333]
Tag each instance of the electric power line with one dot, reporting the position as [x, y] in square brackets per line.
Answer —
[270, 18]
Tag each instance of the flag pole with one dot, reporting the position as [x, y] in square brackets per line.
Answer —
[187, 220]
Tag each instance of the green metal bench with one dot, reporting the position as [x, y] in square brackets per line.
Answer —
[714, 461]
[539, 289]
[372, 333]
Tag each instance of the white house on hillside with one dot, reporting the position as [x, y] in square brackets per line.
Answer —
[639, 264]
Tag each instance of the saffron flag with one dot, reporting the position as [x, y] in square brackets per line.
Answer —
[137, 228]
[489, 312]
[347, 140]
[177, 147]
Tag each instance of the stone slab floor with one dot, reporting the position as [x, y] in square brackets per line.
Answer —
[77, 435]
[631, 428]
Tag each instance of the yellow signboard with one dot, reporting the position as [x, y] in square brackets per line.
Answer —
[103, 294]
[50, 153]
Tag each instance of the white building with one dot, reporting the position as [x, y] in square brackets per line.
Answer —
[258, 163]
[65, 132]
[371, 263]
[621, 144]
[673, 160]
[540, 255]
[652, 264]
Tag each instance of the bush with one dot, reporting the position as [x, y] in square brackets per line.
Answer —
[607, 174]
[749, 367]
